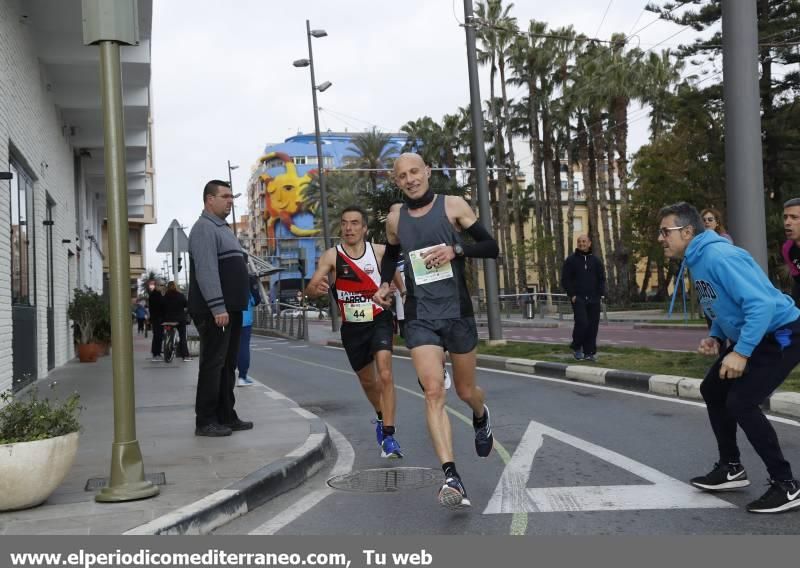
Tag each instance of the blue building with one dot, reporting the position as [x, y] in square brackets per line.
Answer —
[281, 229]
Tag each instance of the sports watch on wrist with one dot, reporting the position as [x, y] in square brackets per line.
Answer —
[458, 250]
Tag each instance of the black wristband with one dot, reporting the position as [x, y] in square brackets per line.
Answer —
[389, 262]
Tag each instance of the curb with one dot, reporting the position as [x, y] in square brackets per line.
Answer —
[784, 403]
[675, 325]
[235, 500]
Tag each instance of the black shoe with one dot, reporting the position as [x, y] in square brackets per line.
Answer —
[453, 495]
[484, 440]
[781, 496]
[724, 477]
[213, 430]
[239, 425]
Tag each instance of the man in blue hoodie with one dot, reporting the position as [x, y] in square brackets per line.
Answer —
[762, 326]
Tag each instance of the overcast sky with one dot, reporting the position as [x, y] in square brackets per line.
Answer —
[223, 84]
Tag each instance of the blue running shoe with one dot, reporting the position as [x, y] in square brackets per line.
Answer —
[453, 495]
[390, 448]
[484, 440]
[379, 431]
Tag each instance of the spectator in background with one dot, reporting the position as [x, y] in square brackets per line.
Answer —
[140, 314]
[243, 362]
[155, 305]
[712, 220]
[791, 248]
[584, 279]
[175, 311]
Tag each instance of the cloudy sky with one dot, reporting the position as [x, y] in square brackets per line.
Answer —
[224, 86]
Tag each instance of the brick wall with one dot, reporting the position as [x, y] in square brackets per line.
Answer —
[31, 130]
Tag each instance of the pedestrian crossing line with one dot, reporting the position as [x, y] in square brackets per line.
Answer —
[261, 349]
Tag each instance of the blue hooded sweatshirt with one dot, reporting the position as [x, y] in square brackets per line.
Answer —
[735, 293]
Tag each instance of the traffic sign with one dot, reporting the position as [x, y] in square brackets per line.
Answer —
[169, 239]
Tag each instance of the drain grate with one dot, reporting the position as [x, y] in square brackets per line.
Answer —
[387, 480]
[95, 483]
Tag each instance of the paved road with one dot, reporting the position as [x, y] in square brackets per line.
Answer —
[570, 459]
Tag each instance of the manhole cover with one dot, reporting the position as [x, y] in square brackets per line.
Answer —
[387, 480]
[95, 483]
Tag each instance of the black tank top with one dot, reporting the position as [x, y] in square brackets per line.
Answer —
[441, 294]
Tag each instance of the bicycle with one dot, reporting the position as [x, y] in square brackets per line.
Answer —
[170, 347]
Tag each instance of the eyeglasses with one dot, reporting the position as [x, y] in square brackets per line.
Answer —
[709, 219]
[665, 231]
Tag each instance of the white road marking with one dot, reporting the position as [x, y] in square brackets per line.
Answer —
[344, 464]
[658, 397]
[664, 492]
[304, 413]
[275, 395]
[261, 349]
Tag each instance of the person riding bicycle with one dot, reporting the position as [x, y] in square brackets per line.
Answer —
[175, 311]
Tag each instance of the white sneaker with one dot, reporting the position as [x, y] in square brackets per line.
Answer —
[448, 382]
[244, 382]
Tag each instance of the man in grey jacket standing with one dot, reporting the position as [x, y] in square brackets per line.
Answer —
[218, 294]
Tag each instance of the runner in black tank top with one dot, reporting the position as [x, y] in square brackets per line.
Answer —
[366, 326]
[438, 307]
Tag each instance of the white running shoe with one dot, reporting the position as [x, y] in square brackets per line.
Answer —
[244, 382]
[448, 382]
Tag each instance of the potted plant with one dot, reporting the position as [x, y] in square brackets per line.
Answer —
[87, 310]
[38, 443]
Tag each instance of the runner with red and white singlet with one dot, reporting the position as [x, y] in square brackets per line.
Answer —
[351, 271]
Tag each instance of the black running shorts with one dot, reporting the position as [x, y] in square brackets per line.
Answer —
[457, 335]
[362, 340]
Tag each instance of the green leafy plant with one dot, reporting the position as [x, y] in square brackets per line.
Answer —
[30, 418]
[88, 311]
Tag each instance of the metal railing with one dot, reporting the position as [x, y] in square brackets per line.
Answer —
[528, 305]
[282, 319]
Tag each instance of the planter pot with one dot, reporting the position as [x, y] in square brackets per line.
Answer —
[87, 352]
[31, 471]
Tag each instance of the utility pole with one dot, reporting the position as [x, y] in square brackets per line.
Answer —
[744, 175]
[109, 25]
[481, 175]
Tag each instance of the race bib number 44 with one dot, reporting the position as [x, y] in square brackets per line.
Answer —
[423, 274]
[358, 312]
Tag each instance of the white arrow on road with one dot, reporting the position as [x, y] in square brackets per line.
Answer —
[513, 495]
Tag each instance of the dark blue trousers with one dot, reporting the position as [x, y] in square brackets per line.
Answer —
[243, 363]
[735, 402]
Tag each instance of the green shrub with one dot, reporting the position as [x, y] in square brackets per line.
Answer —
[29, 418]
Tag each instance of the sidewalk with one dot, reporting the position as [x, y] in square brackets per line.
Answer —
[208, 480]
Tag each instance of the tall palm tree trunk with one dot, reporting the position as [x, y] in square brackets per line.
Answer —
[533, 126]
[552, 173]
[589, 172]
[598, 143]
[570, 194]
[625, 266]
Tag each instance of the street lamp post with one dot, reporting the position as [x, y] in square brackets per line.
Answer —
[323, 194]
[230, 182]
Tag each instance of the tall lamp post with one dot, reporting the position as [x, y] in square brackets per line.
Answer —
[323, 194]
[230, 182]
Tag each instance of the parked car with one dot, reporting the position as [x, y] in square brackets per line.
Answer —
[313, 313]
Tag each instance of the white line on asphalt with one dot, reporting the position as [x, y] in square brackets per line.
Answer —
[345, 457]
[513, 495]
[621, 391]
[304, 413]
[261, 349]
[778, 419]
[298, 346]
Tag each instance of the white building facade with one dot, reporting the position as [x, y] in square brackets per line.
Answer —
[52, 209]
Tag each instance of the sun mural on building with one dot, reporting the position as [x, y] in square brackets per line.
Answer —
[285, 209]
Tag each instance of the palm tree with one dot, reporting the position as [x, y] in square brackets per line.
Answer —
[373, 151]
[493, 16]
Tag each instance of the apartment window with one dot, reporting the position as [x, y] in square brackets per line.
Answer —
[134, 240]
[577, 224]
[22, 265]
[299, 160]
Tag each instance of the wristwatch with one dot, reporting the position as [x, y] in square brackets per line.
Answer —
[458, 250]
